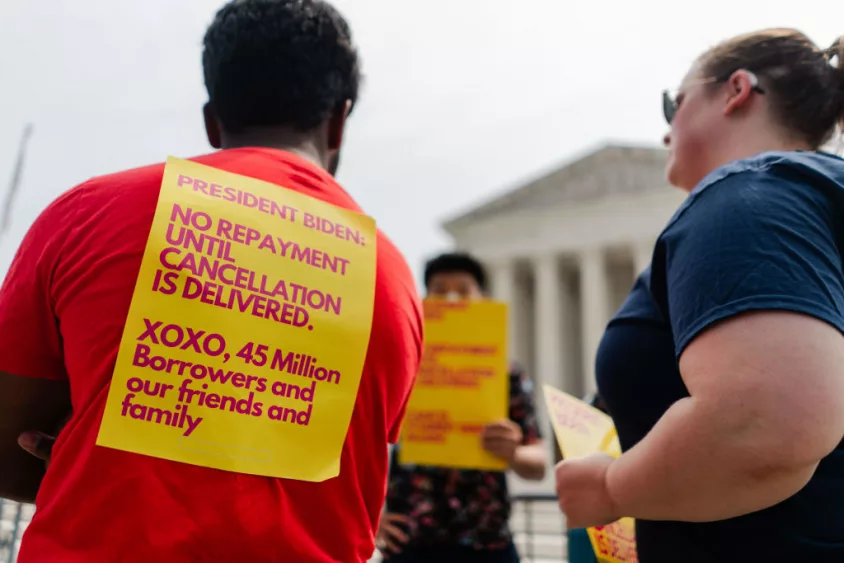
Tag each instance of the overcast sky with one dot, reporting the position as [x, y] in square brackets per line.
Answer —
[463, 99]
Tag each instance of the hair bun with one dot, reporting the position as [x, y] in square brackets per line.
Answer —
[835, 57]
[836, 51]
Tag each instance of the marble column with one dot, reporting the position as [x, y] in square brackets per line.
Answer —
[504, 289]
[548, 322]
[594, 296]
[548, 335]
[642, 252]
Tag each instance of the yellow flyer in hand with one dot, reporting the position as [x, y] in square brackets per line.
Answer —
[462, 386]
[245, 341]
[584, 430]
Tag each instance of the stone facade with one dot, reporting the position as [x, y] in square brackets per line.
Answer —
[563, 251]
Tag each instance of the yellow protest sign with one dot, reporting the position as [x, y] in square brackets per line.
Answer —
[462, 385]
[584, 430]
[246, 337]
[616, 542]
[580, 428]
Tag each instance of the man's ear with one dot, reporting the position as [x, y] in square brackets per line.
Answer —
[212, 126]
[337, 125]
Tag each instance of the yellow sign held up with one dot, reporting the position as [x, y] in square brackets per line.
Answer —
[231, 354]
[584, 430]
[461, 387]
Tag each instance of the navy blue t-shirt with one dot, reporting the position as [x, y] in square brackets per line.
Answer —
[763, 233]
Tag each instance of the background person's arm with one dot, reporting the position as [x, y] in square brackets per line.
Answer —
[529, 458]
[529, 461]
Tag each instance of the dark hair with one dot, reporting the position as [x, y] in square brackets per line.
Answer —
[279, 62]
[807, 91]
[456, 263]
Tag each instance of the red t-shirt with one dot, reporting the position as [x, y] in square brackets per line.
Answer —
[62, 310]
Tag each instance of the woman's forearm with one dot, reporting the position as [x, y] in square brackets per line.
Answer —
[700, 464]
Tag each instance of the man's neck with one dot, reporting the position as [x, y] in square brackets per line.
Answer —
[300, 144]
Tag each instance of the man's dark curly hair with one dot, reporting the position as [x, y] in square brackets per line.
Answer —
[279, 62]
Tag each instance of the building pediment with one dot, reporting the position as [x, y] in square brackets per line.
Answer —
[609, 171]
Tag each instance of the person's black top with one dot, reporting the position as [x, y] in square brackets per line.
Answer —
[763, 233]
[454, 507]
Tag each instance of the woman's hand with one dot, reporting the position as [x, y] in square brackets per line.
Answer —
[582, 491]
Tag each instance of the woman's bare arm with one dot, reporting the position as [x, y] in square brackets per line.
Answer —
[766, 405]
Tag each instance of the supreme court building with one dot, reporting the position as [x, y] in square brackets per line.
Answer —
[563, 252]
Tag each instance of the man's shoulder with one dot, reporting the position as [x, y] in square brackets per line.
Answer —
[392, 264]
[116, 183]
[97, 197]
[398, 306]
[394, 277]
[145, 173]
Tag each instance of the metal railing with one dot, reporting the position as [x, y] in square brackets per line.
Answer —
[13, 519]
[538, 528]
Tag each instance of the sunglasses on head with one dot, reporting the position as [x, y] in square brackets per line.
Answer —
[670, 103]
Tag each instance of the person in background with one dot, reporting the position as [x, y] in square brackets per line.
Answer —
[282, 77]
[723, 368]
[449, 515]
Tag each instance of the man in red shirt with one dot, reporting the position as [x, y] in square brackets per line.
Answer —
[282, 76]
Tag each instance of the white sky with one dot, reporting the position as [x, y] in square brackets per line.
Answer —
[463, 99]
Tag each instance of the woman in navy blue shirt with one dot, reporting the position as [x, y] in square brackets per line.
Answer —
[724, 369]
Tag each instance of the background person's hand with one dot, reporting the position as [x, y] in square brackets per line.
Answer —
[390, 537]
[502, 438]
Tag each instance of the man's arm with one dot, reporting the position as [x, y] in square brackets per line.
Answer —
[529, 459]
[34, 389]
[27, 403]
[412, 343]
